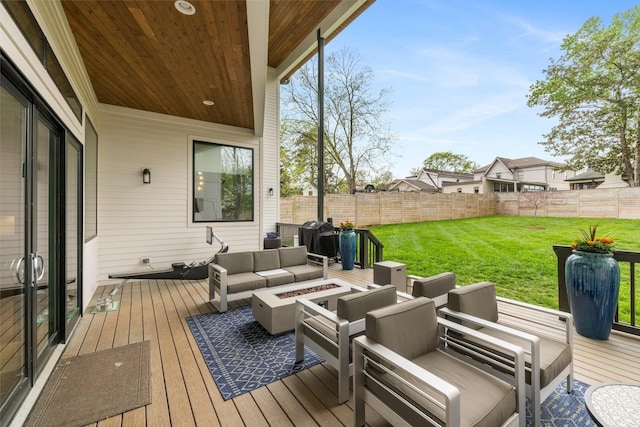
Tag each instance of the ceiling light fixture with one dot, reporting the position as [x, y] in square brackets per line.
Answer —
[207, 102]
[184, 7]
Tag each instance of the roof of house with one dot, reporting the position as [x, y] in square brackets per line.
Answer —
[589, 175]
[524, 162]
[419, 185]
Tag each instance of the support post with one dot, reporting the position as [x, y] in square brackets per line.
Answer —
[320, 126]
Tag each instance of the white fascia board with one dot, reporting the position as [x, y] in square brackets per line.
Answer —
[331, 23]
[258, 28]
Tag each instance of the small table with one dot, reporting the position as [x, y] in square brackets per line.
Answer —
[614, 404]
[277, 314]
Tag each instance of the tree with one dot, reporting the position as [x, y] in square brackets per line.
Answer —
[356, 139]
[535, 199]
[593, 90]
[448, 161]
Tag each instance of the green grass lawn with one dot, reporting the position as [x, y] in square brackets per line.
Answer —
[505, 250]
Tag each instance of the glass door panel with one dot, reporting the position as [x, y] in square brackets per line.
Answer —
[44, 283]
[73, 161]
[13, 125]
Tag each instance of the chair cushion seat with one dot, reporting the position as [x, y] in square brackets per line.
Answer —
[305, 272]
[555, 355]
[489, 408]
[242, 282]
[279, 279]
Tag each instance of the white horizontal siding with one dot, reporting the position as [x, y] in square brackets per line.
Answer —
[271, 154]
[153, 220]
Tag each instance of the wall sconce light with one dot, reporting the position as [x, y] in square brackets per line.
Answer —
[146, 176]
[271, 191]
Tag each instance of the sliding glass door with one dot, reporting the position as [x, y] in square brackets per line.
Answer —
[40, 237]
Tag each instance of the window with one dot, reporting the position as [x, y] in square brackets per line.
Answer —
[502, 187]
[520, 175]
[222, 182]
[498, 175]
[476, 190]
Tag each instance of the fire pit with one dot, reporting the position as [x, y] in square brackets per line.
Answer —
[275, 308]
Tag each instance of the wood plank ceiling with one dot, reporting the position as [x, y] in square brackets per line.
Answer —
[146, 55]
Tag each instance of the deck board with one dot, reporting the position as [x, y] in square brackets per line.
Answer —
[184, 392]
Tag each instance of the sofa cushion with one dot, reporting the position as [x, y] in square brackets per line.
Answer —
[268, 259]
[356, 305]
[241, 282]
[293, 255]
[279, 279]
[409, 328]
[477, 300]
[305, 272]
[434, 286]
[235, 262]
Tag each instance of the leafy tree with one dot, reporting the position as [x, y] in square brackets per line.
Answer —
[447, 161]
[593, 90]
[356, 138]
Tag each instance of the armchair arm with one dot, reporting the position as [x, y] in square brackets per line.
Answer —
[320, 259]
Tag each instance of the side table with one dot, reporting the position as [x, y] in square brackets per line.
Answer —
[614, 404]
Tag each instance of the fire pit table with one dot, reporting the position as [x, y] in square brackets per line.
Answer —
[274, 308]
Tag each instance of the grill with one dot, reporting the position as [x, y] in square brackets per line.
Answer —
[320, 238]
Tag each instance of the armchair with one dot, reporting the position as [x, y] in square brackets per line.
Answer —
[433, 287]
[329, 333]
[548, 359]
[402, 371]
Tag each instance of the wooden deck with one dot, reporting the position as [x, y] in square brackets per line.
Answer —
[184, 393]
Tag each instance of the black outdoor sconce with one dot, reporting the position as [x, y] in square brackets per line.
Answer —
[271, 191]
[146, 176]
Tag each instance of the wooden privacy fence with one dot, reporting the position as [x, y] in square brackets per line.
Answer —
[367, 209]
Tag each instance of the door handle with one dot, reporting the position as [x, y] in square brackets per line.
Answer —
[38, 267]
[20, 271]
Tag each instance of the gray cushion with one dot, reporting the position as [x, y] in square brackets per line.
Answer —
[477, 300]
[356, 305]
[268, 259]
[235, 262]
[241, 282]
[279, 279]
[434, 286]
[304, 272]
[294, 255]
[409, 328]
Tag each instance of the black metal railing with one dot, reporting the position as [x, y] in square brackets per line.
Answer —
[369, 249]
[629, 324]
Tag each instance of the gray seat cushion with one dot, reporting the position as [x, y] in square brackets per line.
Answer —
[477, 300]
[241, 282]
[279, 279]
[355, 306]
[304, 272]
[294, 255]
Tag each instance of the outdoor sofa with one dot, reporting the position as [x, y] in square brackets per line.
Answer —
[235, 275]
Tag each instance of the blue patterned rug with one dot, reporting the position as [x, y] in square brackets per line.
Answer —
[564, 410]
[241, 355]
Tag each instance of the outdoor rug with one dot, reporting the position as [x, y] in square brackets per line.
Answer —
[243, 356]
[85, 389]
[562, 409]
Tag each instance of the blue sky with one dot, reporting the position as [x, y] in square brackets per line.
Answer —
[460, 71]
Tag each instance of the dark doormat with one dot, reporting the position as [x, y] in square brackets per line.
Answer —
[92, 387]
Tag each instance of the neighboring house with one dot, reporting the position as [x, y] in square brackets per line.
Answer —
[439, 178]
[310, 190]
[411, 184]
[586, 180]
[128, 127]
[514, 175]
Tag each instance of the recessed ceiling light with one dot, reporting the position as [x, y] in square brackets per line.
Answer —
[184, 7]
[207, 102]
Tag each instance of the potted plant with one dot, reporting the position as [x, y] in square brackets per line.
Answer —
[347, 244]
[593, 284]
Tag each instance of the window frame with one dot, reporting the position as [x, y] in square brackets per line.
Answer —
[194, 178]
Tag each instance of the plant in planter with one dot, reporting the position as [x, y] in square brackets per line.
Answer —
[593, 283]
[347, 244]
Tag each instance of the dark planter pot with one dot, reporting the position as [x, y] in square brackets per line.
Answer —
[593, 284]
[347, 249]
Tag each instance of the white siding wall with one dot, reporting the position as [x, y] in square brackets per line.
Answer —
[153, 220]
[271, 155]
[499, 168]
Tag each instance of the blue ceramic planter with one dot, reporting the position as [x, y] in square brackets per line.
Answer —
[593, 284]
[347, 249]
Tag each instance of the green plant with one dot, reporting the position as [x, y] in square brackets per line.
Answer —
[588, 242]
[347, 226]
